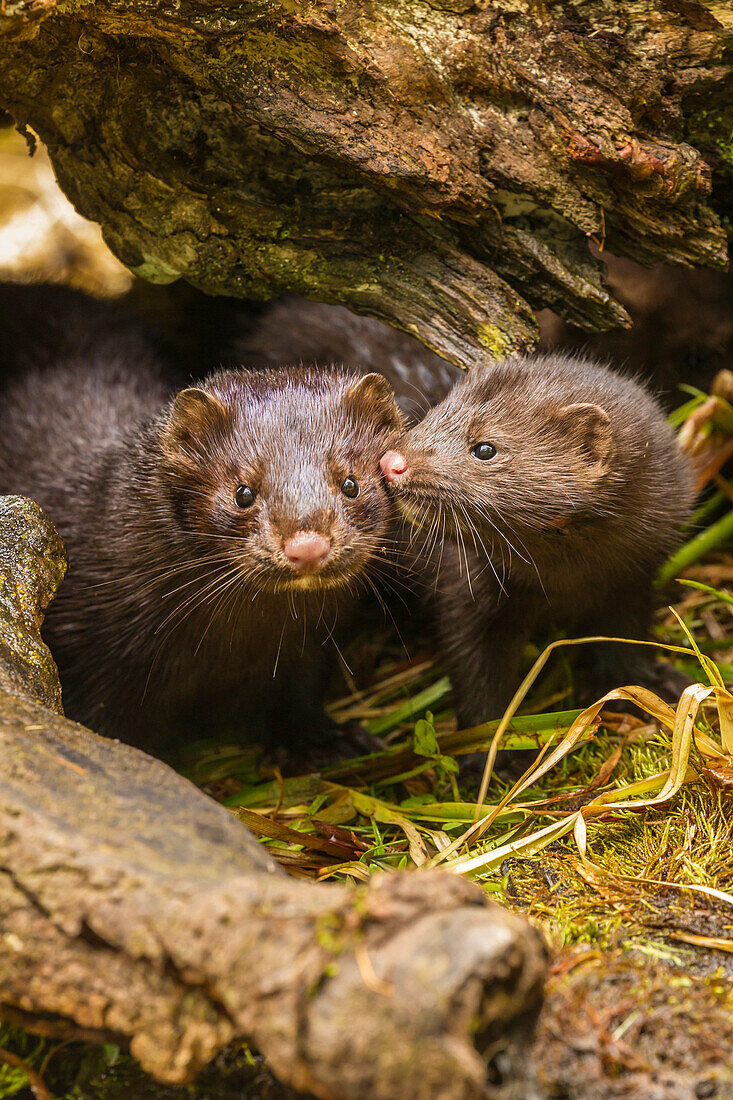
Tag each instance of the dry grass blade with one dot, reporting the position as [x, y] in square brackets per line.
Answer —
[713, 943]
[682, 724]
[266, 827]
[646, 699]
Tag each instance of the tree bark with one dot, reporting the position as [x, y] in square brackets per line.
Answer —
[136, 908]
[440, 164]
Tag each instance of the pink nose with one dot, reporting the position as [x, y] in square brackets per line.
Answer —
[307, 550]
[393, 465]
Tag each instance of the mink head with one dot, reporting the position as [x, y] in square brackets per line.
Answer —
[504, 451]
[277, 472]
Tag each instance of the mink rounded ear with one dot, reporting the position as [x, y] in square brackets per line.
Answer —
[371, 395]
[194, 417]
[588, 428]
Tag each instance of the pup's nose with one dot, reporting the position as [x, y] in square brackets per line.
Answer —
[393, 465]
[307, 550]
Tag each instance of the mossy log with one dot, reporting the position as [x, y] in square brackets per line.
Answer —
[440, 164]
[135, 908]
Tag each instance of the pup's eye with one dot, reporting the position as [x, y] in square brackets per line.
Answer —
[350, 487]
[483, 451]
[244, 496]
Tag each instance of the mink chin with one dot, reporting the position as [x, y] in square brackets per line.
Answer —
[561, 489]
[216, 539]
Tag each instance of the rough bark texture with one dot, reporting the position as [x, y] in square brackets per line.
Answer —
[134, 906]
[436, 163]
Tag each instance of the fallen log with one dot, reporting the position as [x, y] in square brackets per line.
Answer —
[134, 908]
[441, 165]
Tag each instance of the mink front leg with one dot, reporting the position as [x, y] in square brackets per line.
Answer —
[482, 630]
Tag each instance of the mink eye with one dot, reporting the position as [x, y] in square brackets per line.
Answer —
[244, 496]
[483, 451]
[350, 487]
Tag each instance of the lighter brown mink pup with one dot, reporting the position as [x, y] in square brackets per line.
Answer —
[561, 489]
[213, 539]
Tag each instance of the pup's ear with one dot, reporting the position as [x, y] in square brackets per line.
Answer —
[588, 428]
[195, 418]
[373, 396]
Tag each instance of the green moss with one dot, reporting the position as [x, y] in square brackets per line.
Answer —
[330, 934]
[27, 1047]
[636, 890]
[707, 123]
[154, 270]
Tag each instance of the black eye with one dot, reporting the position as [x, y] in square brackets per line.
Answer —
[244, 496]
[350, 487]
[483, 451]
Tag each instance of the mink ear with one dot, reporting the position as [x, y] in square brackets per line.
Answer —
[372, 395]
[195, 416]
[588, 428]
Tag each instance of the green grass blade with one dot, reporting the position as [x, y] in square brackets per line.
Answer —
[411, 708]
[709, 539]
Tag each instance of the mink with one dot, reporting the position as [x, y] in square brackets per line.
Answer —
[215, 536]
[561, 488]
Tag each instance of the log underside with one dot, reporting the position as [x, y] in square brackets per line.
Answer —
[439, 164]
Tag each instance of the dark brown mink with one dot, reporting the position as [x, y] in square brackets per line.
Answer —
[561, 489]
[214, 539]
